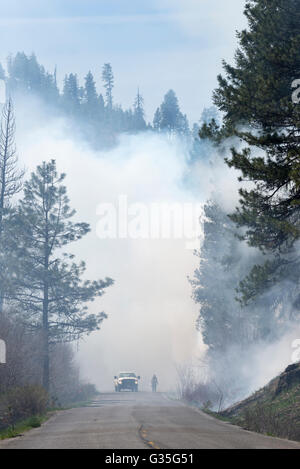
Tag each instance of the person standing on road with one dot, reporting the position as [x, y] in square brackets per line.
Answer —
[154, 383]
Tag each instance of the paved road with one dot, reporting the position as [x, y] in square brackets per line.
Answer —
[139, 420]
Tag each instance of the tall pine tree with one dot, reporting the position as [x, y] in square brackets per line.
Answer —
[168, 117]
[108, 81]
[71, 95]
[255, 95]
[49, 287]
[90, 96]
[139, 113]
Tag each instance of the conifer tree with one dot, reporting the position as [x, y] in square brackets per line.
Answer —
[108, 81]
[71, 94]
[168, 118]
[49, 288]
[170, 112]
[157, 120]
[90, 98]
[255, 96]
[139, 113]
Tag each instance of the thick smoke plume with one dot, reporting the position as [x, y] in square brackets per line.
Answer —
[150, 328]
[151, 323]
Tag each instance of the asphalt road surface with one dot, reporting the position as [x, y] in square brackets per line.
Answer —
[137, 421]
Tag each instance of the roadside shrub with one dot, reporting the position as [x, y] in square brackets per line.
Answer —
[192, 389]
[24, 367]
[207, 405]
[264, 418]
[84, 392]
[23, 402]
[79, 393]
[34, 421]
[204, 394]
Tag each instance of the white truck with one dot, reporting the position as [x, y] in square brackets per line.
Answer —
[126, 380]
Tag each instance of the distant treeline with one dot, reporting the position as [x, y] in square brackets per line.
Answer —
[99, 119]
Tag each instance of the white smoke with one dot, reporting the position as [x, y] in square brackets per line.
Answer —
[270, 360]
[151, 324]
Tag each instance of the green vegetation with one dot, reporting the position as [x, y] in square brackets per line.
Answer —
[21, 409]
[273, 410]
[24, 408]
[16, 430]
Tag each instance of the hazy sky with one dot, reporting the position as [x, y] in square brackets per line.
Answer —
[153, 44]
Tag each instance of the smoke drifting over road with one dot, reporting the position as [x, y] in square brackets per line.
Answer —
[151, 323]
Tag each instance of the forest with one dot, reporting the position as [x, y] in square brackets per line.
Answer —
[246, 284]
[95, 116]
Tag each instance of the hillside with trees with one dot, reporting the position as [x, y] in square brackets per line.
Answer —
[251, 302]
[94, 115]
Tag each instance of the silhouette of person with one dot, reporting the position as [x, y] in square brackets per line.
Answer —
[154, 383]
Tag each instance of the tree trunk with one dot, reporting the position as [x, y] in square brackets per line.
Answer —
[45, 338]
[46, 368]
[4, 157]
